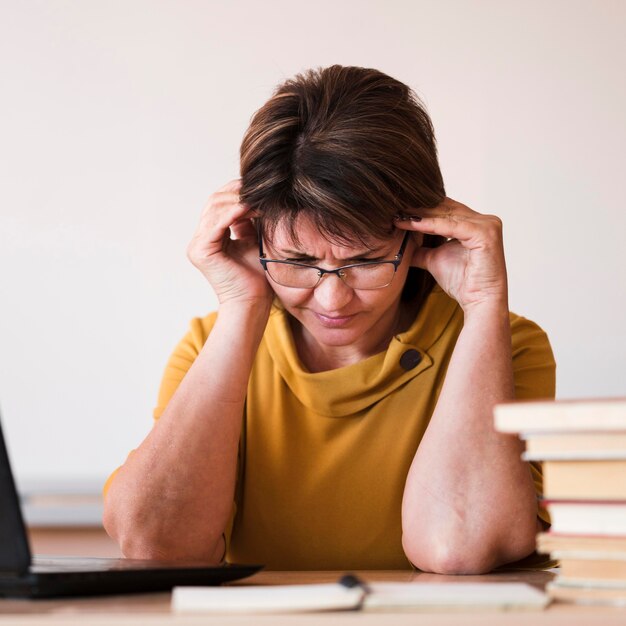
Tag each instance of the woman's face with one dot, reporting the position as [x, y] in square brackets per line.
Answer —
[333, 313]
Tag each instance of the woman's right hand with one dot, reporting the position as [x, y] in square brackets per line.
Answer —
[230, 265]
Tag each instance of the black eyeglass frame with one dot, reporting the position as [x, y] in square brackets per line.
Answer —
[337, 271]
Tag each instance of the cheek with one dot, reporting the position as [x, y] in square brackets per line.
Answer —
[291, 297]
[373, 300]
[376, 300]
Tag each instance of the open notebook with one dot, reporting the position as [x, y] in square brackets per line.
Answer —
[350, 593]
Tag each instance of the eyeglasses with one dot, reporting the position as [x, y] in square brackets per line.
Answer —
[367, 275]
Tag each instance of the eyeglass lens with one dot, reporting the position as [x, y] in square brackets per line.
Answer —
[374, 276]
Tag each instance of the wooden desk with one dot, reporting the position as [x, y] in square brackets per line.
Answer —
[149, 609]
[154, 609]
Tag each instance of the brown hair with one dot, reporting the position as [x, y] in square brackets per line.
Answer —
[347, 148]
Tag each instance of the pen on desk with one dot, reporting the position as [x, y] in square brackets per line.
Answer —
[350, 581]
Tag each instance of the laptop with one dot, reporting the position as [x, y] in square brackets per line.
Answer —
[22, 575]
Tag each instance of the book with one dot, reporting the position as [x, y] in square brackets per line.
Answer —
[587, 517]
[565, 446]
[585, 594]
[561, 415]
[267, 599]
[581, 445]
[609, 568]
[565, 545]
[407, 596]
[584, 480]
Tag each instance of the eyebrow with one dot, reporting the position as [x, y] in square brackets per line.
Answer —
[304, 255]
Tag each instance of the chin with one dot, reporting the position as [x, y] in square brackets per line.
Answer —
[334, 336]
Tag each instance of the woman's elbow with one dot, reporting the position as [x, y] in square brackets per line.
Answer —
[454, 557]
[141, 536]
[119, 525]
[445, 558]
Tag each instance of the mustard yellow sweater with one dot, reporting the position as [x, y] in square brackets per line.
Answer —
[324, 456]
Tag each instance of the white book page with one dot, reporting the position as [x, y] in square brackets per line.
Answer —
[383, 596]
[272, 599]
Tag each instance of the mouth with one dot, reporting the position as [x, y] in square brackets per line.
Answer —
[336, 321]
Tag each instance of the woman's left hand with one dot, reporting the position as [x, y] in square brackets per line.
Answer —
[470, 266]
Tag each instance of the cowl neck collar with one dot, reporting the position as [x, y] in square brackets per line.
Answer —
[347, 390]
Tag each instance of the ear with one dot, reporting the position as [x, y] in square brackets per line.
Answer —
[415, 243]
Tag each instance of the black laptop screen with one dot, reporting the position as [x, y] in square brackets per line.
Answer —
[14, 550]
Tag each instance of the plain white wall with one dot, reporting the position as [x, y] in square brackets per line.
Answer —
[119, 118]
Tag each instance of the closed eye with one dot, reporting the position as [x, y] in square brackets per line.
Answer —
[305, 259]
[356, 261]
[367, 260]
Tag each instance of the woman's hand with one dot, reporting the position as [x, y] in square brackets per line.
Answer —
[231, 265]
[470, 266]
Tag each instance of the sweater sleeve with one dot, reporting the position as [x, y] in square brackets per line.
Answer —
[534, 367]
[534, 371]
[182, 359]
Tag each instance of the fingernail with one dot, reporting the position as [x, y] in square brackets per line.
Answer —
[402, 217]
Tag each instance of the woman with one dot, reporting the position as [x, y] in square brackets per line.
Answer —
[336, 411]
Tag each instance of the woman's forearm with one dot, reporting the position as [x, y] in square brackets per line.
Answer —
[173, 497]
[469, 501]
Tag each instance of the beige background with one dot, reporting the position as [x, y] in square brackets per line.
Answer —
[119, 118]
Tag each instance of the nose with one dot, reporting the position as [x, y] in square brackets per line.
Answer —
[332, 294]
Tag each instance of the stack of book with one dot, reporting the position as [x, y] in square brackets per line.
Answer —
[582, 448]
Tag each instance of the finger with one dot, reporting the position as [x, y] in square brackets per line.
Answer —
[228, 215]
[447, 206]
[215, 223]
[447, 226]
[222, 198]
[223, 204]
[453, 226]
[428, 258]
[232, 185]
[226, 200]
[243, 229]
